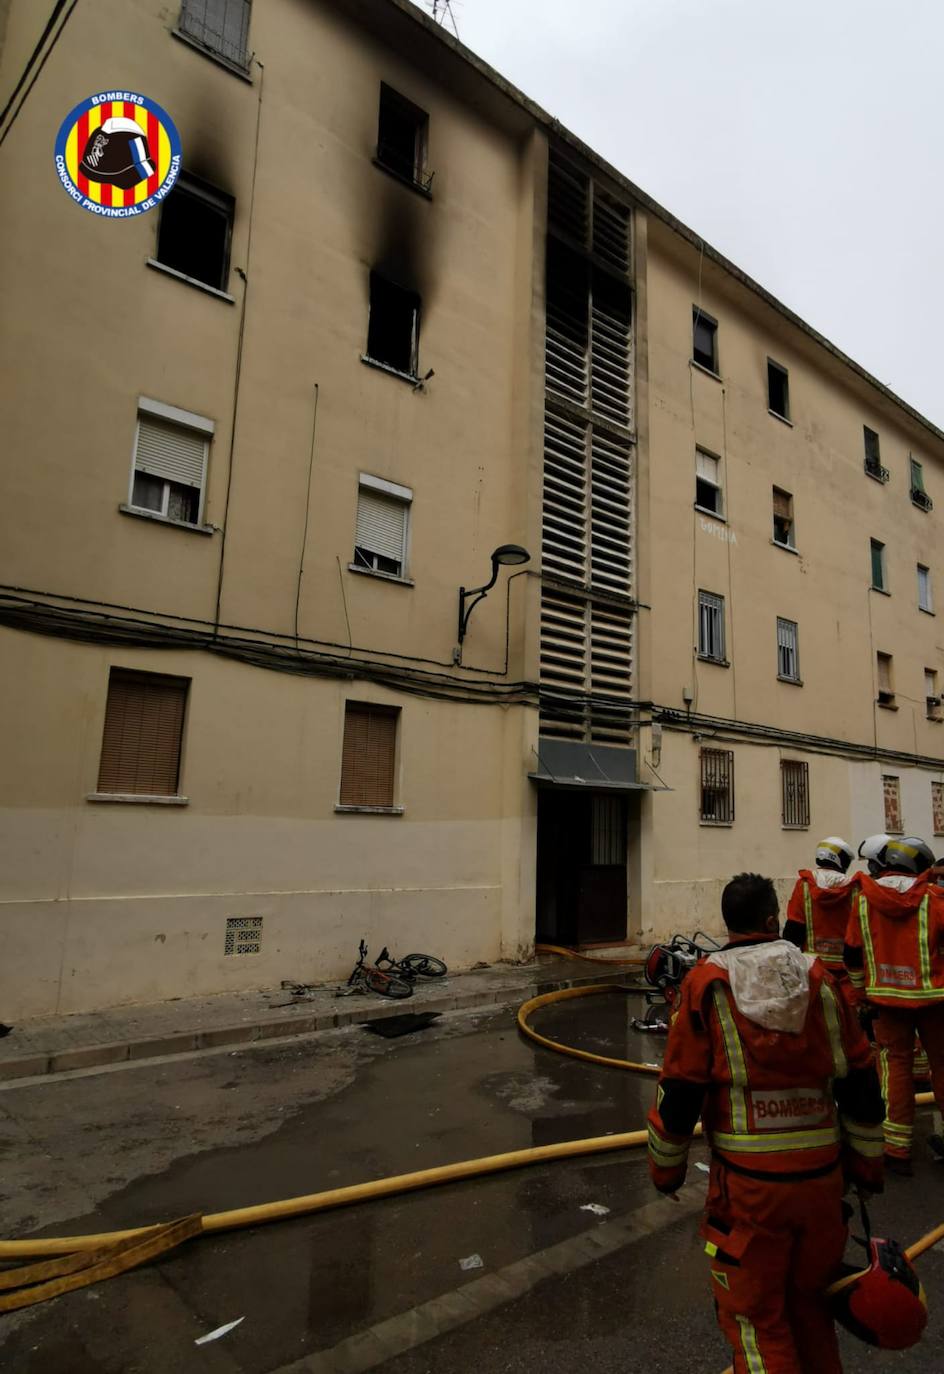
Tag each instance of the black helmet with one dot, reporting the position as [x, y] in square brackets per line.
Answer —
[117, 153]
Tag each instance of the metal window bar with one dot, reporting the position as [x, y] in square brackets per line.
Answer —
[937, 806]
[717, 786]
[788, 658]
[220, 25]
[795, 787]
[711, 626]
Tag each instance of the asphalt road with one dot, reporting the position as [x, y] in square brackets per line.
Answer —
[558, 1286]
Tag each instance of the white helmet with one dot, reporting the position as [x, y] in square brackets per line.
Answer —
[908, 855]
[834, 853]
[872, 849]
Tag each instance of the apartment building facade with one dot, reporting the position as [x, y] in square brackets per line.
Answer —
[391, 321]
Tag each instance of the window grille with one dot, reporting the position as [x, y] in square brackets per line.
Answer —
[711, 626]
[220, 25]
[368, 757]
[795, 789]
[717, 786]
[788, 653]
[144, 720]
[168, 469]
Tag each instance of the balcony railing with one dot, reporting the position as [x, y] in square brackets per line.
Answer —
[921, 499]
[874, 468]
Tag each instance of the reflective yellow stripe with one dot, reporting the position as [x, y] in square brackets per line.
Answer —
[867, 937]
[667, 1147]
[808, 912]
[856, 978]
[831, 1012]
[711, 1249]
[735, 1058]
[923, 947]
[755, 1361]
[665, 1155]
[831, 959]
[883, 1075]
[770, 1142]
[906, 994]
[865, 1140]
[721, 1278]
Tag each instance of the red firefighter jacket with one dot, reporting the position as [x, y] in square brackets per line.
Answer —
[817, 918]
[894, 948]
[776, 1103]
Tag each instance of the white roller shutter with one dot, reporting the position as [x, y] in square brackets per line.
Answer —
[381, 524]
[707, 467]
[170, 451]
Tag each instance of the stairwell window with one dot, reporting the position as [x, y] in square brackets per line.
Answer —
[169, 463]
[142, 736]
[711, 627]
[784, 533]
[708, 496]
[937, 807]
[788, 650]
[924, 589]
[393, 327]
[717, 786]
[886, 686]
[704, 340]
[877, 550]
[368, 757]
[220, 26]
[778, 390]
[402, 137]
[383, 526]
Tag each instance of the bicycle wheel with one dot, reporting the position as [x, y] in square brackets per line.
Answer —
[425, 965]
[386, 985]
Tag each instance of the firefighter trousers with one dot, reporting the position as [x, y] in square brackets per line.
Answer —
[773, 1248]
[894, 1029]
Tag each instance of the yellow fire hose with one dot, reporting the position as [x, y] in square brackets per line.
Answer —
[94, 1257]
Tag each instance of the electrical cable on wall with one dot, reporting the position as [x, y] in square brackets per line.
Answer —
[49, 51]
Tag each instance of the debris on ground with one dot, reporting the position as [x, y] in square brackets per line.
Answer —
[596, 1208]
[481, 964]
[5, 1030]
[392, 1026]
[472, 1262]
[220, 1331]
[703, 1167]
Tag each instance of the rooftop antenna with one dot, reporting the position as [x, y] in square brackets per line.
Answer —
[442, 14]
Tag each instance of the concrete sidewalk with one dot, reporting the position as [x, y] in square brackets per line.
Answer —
[57, 1044]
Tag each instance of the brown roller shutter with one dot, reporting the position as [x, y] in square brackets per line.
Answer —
[144, 720]
[368, 757]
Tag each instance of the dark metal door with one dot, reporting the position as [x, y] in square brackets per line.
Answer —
[581, 877]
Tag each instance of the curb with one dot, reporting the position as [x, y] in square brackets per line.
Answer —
[35, 1065]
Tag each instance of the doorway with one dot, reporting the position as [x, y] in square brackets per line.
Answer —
[581, 868]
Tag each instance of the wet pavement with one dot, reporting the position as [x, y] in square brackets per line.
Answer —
[151, 1142]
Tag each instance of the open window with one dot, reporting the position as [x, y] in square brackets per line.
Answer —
[919, 496]
[169, 463]
[193, 237]
[383, 524]
[886, 685]
[877, 554]
[873, 457]
[788, 650]
[784, 532]
[704, 340]
[708, 495]
[778, 392]
[393, 327]
[402, 135]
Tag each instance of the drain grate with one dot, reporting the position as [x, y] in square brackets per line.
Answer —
[243, 935]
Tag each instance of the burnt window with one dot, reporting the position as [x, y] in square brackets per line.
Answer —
[778, 392]
[393, 326]
[717, 786]
[704, 340]
[402, 129]
[222, 26]
[194, 233]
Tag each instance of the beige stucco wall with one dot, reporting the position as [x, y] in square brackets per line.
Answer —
[106, 903]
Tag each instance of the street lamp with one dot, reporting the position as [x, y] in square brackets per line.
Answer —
[506, 553]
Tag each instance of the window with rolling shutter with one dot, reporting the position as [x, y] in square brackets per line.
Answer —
[144, 721]
[169, 464]
[368, 757]
[383, 513]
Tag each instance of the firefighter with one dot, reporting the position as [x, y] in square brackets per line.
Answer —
[818, 910]
[764, 1048]
[894, 954]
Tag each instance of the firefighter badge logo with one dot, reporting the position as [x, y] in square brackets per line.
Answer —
[118, 154]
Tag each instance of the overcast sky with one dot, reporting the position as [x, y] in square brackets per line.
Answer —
[801, 138]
